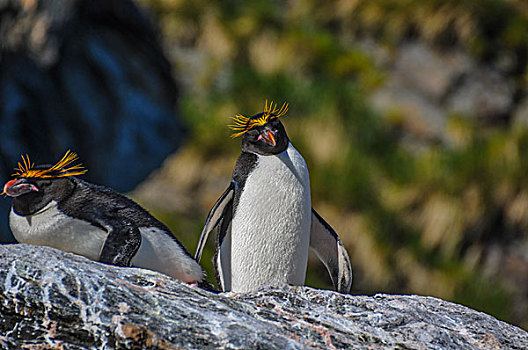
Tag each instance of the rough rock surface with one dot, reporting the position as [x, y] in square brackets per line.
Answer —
[52, 299]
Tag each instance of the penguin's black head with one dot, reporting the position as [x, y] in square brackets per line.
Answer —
[262, 133]
[30, 195]
[36, 186]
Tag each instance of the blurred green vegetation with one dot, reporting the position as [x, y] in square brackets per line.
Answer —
[414, 220]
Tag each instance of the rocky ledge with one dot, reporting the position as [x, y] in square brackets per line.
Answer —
[52, 299]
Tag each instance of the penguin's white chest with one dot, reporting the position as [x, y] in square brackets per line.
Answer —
[51, 227]
[270, 229]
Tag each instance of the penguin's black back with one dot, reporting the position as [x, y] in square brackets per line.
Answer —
[99, 204]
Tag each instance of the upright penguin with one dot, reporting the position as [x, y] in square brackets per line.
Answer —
[52, 207]
[265, 219]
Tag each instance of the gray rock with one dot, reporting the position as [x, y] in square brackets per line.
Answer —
[52, 299]
[421, 68]
[418, 79]
[425, 86]
[484, 94]
[423, 119]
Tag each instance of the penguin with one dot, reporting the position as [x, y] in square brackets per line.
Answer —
[52, 207]
[265, 221]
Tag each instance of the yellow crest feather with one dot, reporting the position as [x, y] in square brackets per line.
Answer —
[25, 169]
[242, 124]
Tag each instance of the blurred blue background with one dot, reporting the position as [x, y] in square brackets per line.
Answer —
[89, 76]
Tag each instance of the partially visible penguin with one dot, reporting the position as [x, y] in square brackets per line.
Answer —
[266, 223]
[52, 207]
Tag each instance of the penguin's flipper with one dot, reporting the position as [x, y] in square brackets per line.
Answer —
[331, 251]
[122, 243]
[222, 257]
[214, 217]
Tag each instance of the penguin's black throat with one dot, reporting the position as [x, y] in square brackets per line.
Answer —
[268, 139]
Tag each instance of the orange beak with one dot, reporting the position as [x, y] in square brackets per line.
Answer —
[269, 138]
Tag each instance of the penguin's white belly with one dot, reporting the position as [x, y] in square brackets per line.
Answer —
[270, 232]
[51, 227]
[161, 253]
